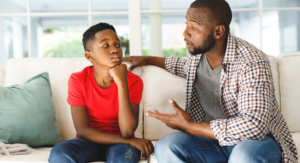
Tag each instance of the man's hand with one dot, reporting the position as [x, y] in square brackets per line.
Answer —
[179, 120]
[144, 145]
[119, 73]
[137, 61]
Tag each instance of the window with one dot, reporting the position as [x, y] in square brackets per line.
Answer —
[54, 28]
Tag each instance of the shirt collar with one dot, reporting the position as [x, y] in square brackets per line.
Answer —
[230, 54]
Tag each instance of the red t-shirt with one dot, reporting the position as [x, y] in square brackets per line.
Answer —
[102, 104]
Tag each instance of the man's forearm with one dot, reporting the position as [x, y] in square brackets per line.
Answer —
[156, 61]
[200, 128]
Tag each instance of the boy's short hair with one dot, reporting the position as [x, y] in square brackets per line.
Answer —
[89, 34]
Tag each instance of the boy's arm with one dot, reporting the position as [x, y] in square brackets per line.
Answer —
[128, 112]
[84, 131]
[82, 126]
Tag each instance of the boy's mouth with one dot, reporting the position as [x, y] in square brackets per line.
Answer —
[115, 57]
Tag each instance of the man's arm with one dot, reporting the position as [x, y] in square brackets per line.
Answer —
[173, 64]
[254, 103]
[139, 61]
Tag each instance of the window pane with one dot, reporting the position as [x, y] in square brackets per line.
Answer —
[246, 25]
[243, 4]
[166, 4]
[59, 5]
[171, 41]
[184, 5]
[13, 6]
[121, 24]
[58, 36]
[111, 5]
[13, 38]
[281, 32]
[281, 3]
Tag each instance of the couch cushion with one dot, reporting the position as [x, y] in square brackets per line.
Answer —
[289, 70]
[159, 86]
[59, 69]
[41, 156]
[275, 75]
[2, 76]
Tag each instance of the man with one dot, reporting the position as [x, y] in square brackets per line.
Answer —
[231, 110]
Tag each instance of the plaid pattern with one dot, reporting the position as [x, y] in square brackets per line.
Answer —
[247, 97]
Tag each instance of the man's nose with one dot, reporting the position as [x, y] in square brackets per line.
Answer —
[186, 33]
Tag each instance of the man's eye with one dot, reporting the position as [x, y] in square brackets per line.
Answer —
[118, 45]
[193, 28]
[106, 45]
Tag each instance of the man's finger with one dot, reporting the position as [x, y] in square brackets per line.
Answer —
[161, 116]
[174, 105]
[131, 67]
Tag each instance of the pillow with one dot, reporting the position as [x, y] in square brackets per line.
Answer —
[27, 113]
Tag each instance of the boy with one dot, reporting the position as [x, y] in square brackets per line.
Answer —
[104, 101]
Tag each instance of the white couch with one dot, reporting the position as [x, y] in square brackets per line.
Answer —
[159, 86]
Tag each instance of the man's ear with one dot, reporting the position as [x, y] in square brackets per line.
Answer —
[219, 31]
[88, 56]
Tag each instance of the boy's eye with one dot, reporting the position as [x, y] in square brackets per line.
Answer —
[118, 45]
[106, 45]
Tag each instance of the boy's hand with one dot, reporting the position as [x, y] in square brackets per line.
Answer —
[119, 73]
[144, 145]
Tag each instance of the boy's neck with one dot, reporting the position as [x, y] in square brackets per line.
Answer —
[102, 77]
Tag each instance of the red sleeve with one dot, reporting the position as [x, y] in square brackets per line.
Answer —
[75, 92]
[135, 91]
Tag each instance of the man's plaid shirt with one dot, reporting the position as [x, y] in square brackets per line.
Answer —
[247, 97]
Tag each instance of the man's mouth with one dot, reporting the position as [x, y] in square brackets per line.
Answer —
[188, 43]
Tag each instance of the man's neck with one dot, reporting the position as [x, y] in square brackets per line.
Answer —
[216, 54]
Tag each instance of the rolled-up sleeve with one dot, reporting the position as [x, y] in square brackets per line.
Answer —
[176, 65]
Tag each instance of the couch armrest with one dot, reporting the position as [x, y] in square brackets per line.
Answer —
[289, 72]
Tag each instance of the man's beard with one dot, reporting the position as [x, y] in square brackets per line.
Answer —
[208, 43]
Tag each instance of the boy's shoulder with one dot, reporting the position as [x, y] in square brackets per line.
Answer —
[83, 74]
[132, 78]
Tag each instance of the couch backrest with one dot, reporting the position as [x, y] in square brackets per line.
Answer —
[20, 70]
[160, 85]
[289, 70]
[2, 76]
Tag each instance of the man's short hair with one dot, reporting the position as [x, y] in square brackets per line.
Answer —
[220, 9]
[89, 34]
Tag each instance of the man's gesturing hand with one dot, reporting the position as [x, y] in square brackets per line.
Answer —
[179, 120]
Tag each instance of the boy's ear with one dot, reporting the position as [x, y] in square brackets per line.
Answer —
[88, 55]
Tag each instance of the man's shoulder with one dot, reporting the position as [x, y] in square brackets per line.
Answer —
[248, 53]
